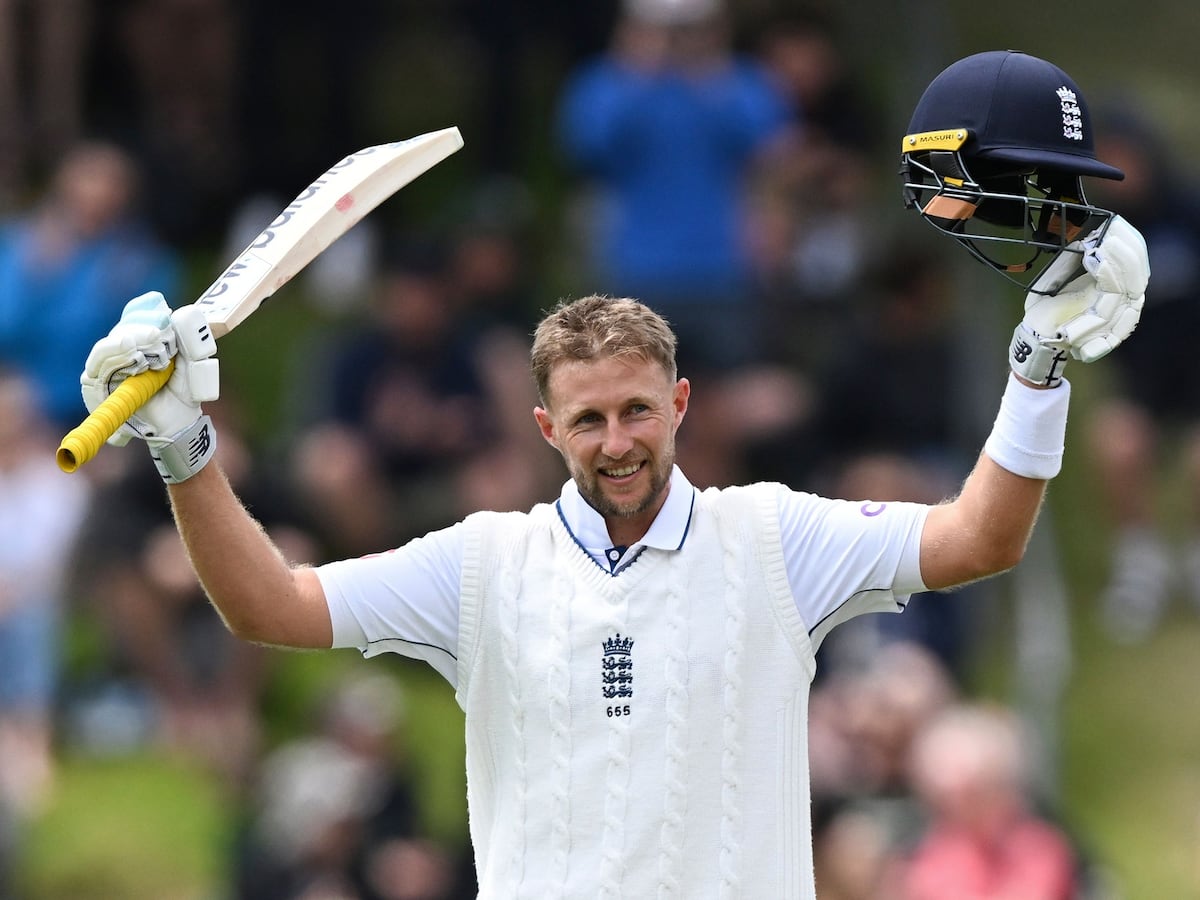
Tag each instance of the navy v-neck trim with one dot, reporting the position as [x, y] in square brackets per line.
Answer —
[578, 543]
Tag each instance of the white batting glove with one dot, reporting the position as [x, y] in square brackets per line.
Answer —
[1083, 315]
[149, 336]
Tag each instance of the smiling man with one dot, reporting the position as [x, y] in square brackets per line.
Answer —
[634, 659]
[611, 407]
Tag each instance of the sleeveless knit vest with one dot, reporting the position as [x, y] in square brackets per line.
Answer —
[642, 735]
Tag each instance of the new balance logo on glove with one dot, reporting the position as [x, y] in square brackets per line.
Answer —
[199, 446]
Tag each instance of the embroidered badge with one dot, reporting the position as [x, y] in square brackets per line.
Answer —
[1072, 116]
[616, 672]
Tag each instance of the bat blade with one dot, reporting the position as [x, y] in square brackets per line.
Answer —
[320, 214]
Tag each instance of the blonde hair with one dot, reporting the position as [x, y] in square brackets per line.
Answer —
[597, 327]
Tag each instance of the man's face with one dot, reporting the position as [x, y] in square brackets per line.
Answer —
[614, 422]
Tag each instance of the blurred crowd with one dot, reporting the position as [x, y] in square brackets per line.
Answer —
[727, 166]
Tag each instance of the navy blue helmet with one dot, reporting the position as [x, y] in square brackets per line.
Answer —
[994, 157]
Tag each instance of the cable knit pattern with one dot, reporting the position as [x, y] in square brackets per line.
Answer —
[560, 727]
[731, 725]
[681, 796]
[510, 622]
[616, 800]
[675, 777]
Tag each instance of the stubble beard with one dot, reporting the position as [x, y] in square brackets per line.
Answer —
[588, 482]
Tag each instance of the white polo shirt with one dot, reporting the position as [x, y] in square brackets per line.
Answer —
[407, 600]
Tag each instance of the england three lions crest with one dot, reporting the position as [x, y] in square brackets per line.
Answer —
[616, 667]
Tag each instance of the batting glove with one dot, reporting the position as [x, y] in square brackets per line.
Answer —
[1084, 316]
[148, 336]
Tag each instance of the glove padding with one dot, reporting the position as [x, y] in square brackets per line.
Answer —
[149, 336]
[1083, 315]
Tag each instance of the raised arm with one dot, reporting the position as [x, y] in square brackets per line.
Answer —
[986, 528]
[258, 594]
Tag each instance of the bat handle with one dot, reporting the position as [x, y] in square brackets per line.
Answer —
[85, 440]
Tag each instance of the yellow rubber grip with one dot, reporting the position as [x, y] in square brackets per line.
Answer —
[85, 440]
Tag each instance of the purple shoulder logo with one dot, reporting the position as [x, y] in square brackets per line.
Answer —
[872, 509]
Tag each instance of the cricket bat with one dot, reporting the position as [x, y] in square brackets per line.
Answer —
[323, 212]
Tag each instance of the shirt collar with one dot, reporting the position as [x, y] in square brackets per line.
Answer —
[667, 531]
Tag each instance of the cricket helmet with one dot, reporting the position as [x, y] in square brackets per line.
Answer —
[994, 157]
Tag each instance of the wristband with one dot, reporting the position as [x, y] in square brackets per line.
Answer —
[1036, 361]
[1029, 434]
[180, 457]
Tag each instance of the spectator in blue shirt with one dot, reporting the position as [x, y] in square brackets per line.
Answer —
[668, 124]
[68, 267]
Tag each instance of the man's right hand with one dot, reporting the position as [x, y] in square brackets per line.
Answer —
[149, 336]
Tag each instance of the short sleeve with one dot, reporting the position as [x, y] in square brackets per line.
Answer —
[403, 601]
[845, 558]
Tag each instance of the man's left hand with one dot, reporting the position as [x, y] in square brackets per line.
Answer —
[1085, 314]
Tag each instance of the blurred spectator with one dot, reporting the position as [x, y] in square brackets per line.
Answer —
[170, 674]
[814, 222]
[334, 813]
[68, 268]
[42, 50]
[401, 404]
[667, 126]
[40, 513]
[889, 386]
[863, 722]
[985, 840]
[435, 377]
[1147, 425]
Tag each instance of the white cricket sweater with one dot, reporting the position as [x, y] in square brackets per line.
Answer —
[640, 736]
